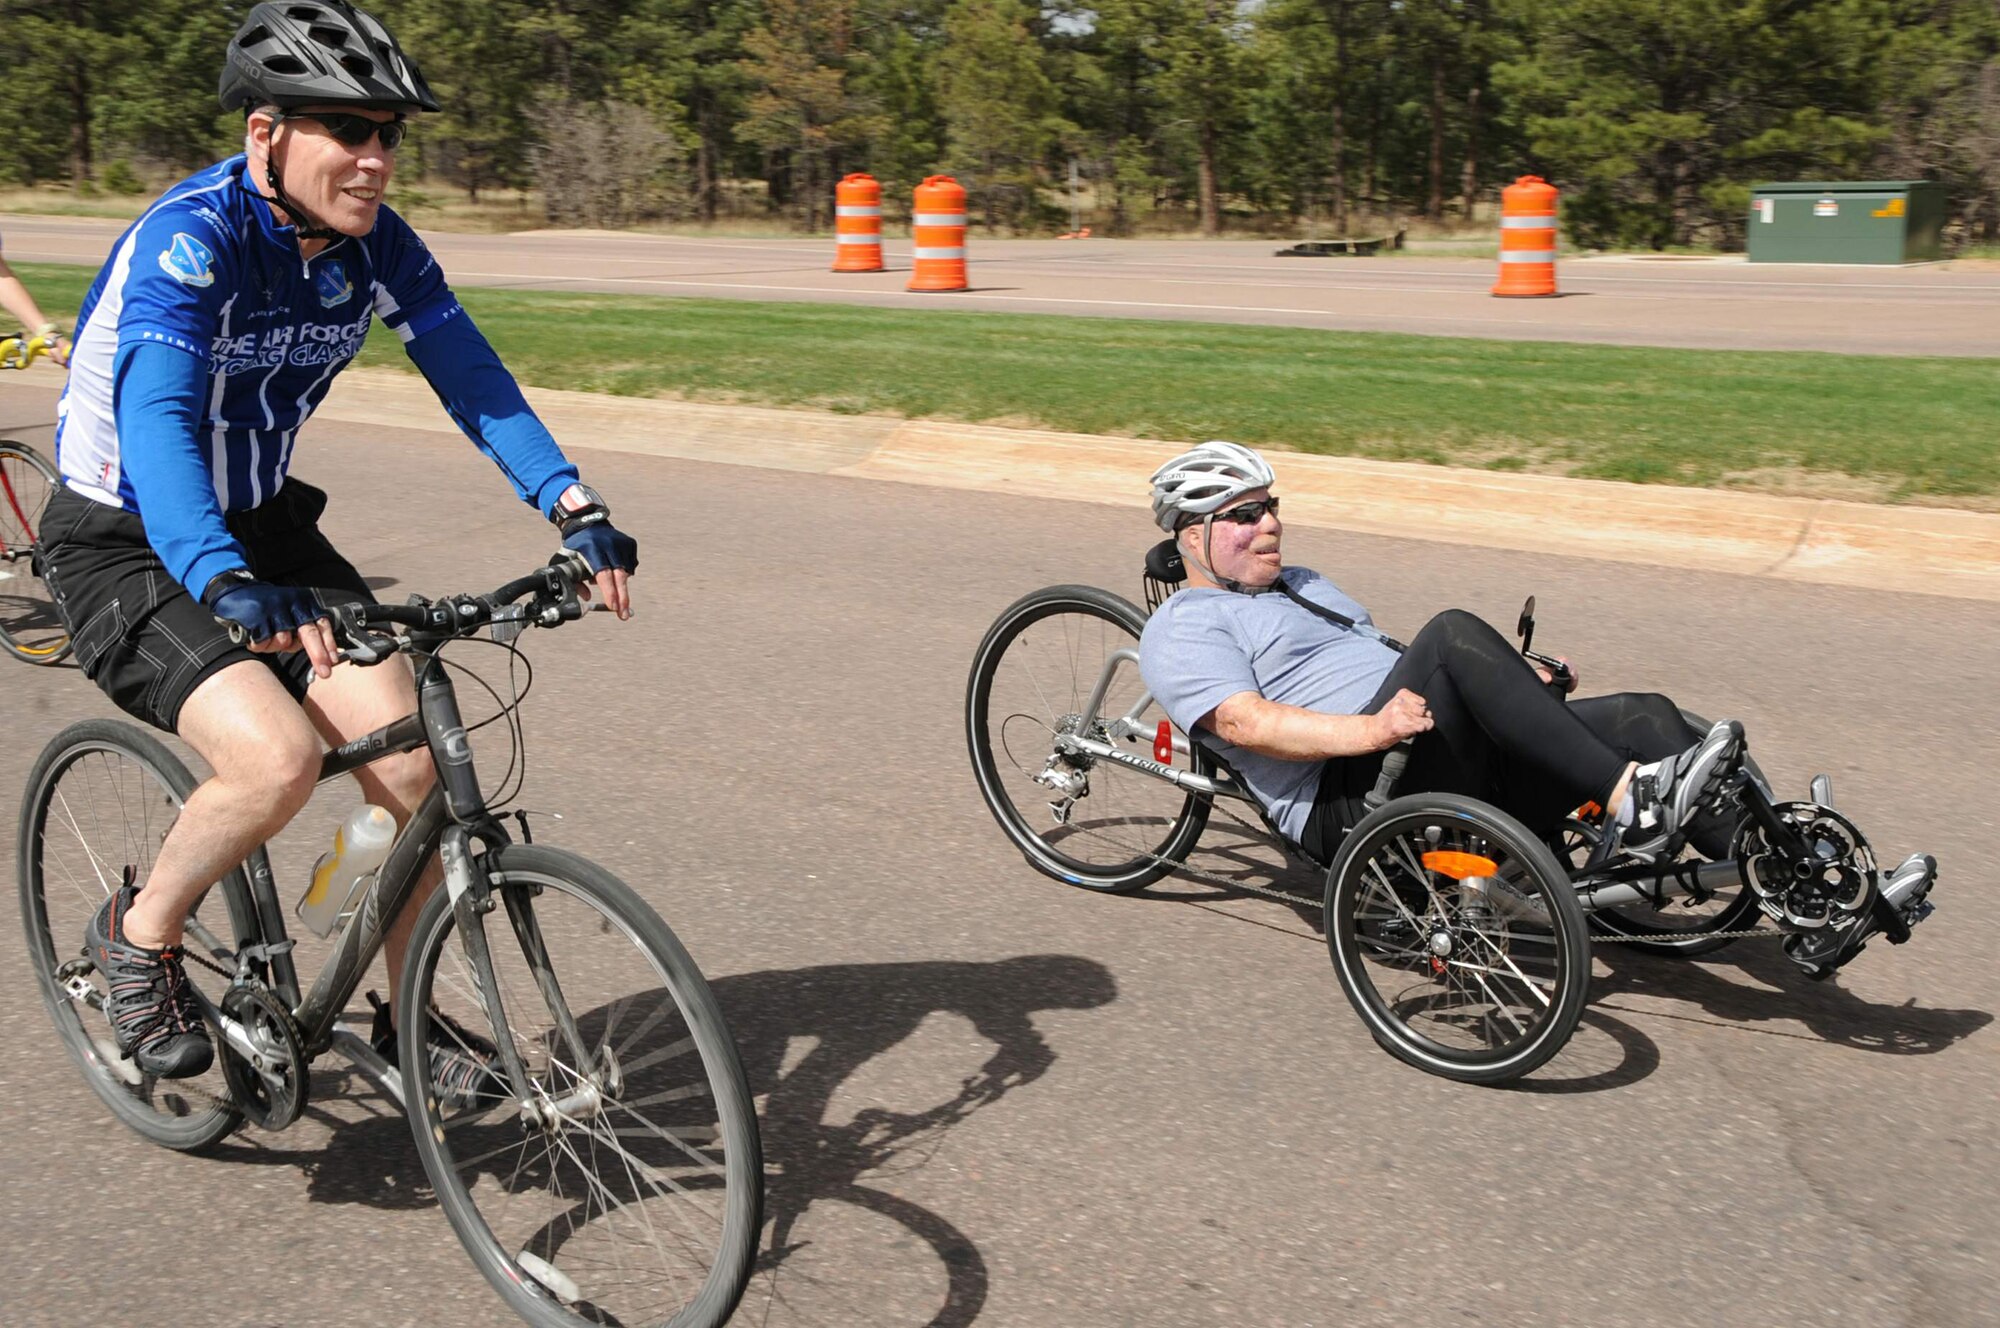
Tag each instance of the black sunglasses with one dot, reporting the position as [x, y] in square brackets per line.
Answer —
[1249, 514]
[355, 130]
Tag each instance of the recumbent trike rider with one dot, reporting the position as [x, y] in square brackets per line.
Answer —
[1475, 825]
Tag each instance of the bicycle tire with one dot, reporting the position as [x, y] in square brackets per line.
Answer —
[19, 512]
[1388, 910]
[1157, 834]
[685, 1031]
[185, 1115]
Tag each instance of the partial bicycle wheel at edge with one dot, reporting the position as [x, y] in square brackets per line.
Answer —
[1457, 938]
[1118, 829]
[637, 1198]
[99, 802]
[31, 627]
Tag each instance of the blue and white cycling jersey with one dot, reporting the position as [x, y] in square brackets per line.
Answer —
[208, 272]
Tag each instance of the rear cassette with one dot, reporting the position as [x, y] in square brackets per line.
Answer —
[1825, 878]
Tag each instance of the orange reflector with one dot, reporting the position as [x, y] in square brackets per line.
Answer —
[1459, 866]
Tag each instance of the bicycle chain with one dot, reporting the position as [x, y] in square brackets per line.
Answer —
[1286, 897]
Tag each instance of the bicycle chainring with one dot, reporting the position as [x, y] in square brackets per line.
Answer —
[272, 1094]
[1830, 884]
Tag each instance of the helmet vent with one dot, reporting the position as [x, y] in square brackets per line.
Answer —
[358, 65]
[327, 36]
[305, 13]
[285, 64]
[260, 33]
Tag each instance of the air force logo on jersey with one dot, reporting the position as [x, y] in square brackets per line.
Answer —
[332, 283]
[187, 260]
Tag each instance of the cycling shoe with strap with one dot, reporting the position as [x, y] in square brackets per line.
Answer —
[1907, 891]
[1667, 794]
[153, 1012]
[464, 1067]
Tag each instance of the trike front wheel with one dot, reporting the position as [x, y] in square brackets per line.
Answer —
[1457, 938]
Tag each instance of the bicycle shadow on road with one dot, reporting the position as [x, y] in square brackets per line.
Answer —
[850, 1014]
[1753, 982]
[847, 1015]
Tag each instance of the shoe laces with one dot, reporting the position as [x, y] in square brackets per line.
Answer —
[174, 1010]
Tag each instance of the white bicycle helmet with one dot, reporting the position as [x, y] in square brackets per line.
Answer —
[1206, 479]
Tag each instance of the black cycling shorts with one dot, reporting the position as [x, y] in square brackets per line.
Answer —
[139, 635]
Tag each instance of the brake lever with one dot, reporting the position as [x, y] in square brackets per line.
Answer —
[1560, 673]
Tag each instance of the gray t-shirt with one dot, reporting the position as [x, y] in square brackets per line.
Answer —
[1204, 646]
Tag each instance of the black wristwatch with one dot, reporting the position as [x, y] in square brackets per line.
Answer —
[578, 506]
[223, 583]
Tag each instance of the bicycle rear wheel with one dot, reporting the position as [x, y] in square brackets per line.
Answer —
[1085, 820]
[629, 1188]
[31, 627]
[100, 801]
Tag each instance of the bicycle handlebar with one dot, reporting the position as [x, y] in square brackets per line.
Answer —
[19, 351]
[555, 602]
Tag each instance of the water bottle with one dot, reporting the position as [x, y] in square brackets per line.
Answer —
[359, 847]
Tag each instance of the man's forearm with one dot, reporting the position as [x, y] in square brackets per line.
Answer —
[1290, 733]
[20, 305]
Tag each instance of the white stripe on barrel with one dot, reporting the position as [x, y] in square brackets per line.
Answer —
[955, 251]
[937, 219]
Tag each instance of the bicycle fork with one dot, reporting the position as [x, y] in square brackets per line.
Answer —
[472, 901]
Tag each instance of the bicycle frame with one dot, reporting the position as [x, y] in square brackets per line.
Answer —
[14, 506]
[1128, 726]
[1611, 889]
[452, 814]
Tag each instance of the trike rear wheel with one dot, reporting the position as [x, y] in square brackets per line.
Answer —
[1089, 822]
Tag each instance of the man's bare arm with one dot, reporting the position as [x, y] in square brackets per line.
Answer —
[1290, 733]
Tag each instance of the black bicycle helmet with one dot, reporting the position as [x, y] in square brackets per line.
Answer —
[292, 53]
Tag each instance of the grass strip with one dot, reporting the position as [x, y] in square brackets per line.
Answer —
[1887, 428]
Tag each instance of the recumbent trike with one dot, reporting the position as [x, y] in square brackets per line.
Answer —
[1462, 939]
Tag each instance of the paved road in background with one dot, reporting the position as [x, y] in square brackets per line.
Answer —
[1946, 309]
[1191, 1127]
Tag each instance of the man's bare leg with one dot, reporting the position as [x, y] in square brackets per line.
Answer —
[357, 700]
[266, 757]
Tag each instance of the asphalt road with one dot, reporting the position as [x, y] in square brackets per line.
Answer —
[1948, 309]
[1192, 1127]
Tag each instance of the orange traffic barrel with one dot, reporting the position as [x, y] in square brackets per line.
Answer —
[1527, 238]
[857, 224]
[937, 228]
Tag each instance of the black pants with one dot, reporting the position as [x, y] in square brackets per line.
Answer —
[1500, 734]
[139, 635]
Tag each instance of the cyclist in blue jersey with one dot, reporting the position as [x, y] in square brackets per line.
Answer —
[217, 325]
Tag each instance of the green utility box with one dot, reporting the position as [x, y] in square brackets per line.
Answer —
[1864, 221]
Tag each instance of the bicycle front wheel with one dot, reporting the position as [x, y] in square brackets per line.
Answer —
[628, 1187]
[31, 627]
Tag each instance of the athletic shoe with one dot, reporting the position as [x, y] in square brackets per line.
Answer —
[1667, 795]
[1906, 889]
[464, 1067]
[153, 1012]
